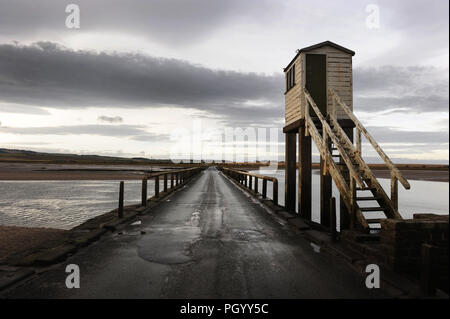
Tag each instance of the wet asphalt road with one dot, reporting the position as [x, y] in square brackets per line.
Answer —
[209, 240]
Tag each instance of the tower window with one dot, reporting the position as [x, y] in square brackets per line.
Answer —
[290, 78]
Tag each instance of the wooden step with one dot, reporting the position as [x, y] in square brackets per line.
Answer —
[367, 198]
[373, 220]
[365, 188]
[373, 209]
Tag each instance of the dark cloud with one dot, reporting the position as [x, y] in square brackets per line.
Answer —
[46, 74]
[136, 132]
[411, 89]
[50, 75]
[384, 134]
[172, 22]
[401, 104]
[110, 119]
[398, 79]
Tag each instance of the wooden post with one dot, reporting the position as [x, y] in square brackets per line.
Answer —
[304, 174]
[352, 201]
[290, 174]
[275, 192]
[245, 180]
[156, 186]
[333, 219]
[325, 190]
[250, 181]
[120, 209]
[264, 191]
[394, 191]
[256, 185]
[358, 141]
[144, 192]
[165, 182]
[307, 115]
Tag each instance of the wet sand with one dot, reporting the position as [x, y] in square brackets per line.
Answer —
[417, 175]
[15, 241]
[20, 171]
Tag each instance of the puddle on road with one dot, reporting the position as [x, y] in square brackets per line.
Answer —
[246, 234]
[127, 233]
[195, 219]
[168, 245]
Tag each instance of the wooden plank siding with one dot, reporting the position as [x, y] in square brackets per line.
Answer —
[339, 78]
[293, 96]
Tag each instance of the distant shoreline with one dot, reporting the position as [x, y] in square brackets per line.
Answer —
[24, 172]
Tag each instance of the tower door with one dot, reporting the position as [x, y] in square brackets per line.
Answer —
[316, 81]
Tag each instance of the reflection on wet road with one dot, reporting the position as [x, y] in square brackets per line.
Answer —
[211, 240]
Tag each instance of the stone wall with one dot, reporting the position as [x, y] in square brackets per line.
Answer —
[402, 242]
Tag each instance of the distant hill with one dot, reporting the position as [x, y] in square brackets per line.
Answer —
[23, 156]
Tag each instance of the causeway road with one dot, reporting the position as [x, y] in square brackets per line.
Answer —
[208, 240]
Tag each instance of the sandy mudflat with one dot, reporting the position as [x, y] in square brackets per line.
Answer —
[417, 175]
[19, 171]
[17, 240]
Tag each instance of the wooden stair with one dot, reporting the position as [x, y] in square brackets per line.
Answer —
[342, 156]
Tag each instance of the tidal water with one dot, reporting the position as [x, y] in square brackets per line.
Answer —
[62, 204]
[66, 204]
[423, 197]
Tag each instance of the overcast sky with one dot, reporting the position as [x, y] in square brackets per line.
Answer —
[136, 71]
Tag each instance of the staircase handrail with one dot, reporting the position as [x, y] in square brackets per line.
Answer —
[395, 172]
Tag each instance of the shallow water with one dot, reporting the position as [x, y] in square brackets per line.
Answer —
[62, 204]
[66, 204]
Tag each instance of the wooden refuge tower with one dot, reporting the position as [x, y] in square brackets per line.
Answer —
[319, 108]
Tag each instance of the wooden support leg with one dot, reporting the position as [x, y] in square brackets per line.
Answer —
[144, 192]
[264, 192]
[304, 174]
[120, 208]
[333, 219]
[156, 186]
[325, 194]
[290, 166]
